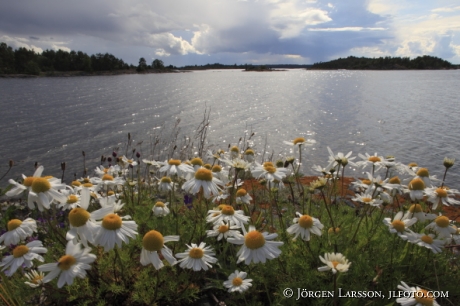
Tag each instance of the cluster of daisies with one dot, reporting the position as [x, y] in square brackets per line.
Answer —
[217, 182]
[427, 194]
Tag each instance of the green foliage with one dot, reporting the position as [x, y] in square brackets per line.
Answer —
[385, 63]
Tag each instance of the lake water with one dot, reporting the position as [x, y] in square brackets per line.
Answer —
[412, 115]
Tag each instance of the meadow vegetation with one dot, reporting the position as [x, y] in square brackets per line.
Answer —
[184, 225]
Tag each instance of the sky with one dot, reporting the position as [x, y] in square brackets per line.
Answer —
[197, 32]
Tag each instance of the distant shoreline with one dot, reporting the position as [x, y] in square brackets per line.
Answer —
[83, 73]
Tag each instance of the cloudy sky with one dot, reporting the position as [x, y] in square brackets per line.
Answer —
[187, 32]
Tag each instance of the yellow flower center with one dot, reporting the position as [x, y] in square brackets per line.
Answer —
[241, 192]
[216, 168]
[427, 239]
[442, 193]
[174, 162]
[422, 297]
[105, 170]
[88, 185]
[306, 221]
[78, 217]
[235, 149]
[249, 152]
[160, 204]
[399, 225]
[20, 251]
[442, 221]
[423, 172]
[366, 200]
[72, 199]
[412, 165]
[416, 184]
[395, 180]
[270, 169]
[228, 210]
[28, 181]
[223, 229]
[66, 262]
[237, 281]
[254, 240]
[415, 208]
[107, 177]
[110, 193]
[86, 180]
[196, 253]
[208, 166]
[40, 184]
[366, 182]
[75, 183]
[111, 222]
[335, 263]
[374, 159]
[196, 161]
[153, 241]
[166, 180]
[298, 140]
[203, 174]
[14, 224]
[268, 164]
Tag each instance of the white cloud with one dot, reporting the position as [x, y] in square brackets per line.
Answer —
[345, 29]
[290, 19]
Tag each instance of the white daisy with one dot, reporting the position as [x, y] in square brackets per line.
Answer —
[174, 166]
[366, 198]
[161, 209]
[400, 226]
[197, 257]
[219, 173]
[242, 196]
[249, 155]
[416, 211]
[82, 223]
[227, 213]
[304, 225]
[424, 174]
[417, 296]
[223, 230]
[442, 226]
[106, 181]
[35, 278]
[429, 242]
[165, 184]
[26, 183]
[18, 231]
[153, 243]
[237, 282]
[340, 159]
[438, 195]
[114, 230]
[335, 262]
[269, 172]
[111, 170]
[126, 162]
[44, 190]
[370, 160]
[23, 255]
[73, 264]
[416, 188]
[300, 141]
[256, 246]
[203, 179]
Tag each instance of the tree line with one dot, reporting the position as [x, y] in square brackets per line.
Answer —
[385, 63]
[25, 61]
